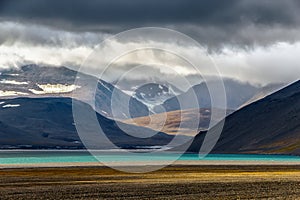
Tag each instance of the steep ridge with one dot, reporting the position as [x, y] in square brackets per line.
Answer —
[268, 126]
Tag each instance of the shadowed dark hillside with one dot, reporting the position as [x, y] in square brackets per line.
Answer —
[268, 126]
[49, 123]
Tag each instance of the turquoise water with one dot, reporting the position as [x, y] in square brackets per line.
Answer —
[35, 157]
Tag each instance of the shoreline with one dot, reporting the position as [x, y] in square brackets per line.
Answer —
[145, 163]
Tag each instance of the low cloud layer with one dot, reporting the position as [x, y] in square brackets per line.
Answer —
[251, 40]
[22, 44]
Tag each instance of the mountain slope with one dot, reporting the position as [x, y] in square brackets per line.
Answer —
[108, 97]
[43, 81]
[268, 126]
[49, 123]
[176, 122]
[265, 91]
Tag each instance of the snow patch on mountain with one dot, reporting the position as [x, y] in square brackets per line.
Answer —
[13, 82]
[54, 88]
[11, 93]
[128, 92]
[11, 105]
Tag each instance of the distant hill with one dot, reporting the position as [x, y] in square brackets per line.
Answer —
[49, 123]
[268, 126]
[237, 93]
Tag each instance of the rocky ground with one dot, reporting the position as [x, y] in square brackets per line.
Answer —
[175, 182]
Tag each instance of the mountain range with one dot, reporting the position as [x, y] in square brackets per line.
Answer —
[36, 112]
[44, 81]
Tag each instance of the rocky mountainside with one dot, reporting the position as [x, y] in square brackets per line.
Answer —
[153, 94]
[43, 81]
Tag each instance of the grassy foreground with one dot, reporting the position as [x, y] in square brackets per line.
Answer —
[173, 182]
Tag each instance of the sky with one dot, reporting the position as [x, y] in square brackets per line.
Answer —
[257, 41]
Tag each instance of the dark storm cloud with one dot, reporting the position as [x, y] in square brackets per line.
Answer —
[214, 23]
[122, 12]
[95, 13]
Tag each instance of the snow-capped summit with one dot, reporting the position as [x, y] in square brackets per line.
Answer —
[153, 94]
